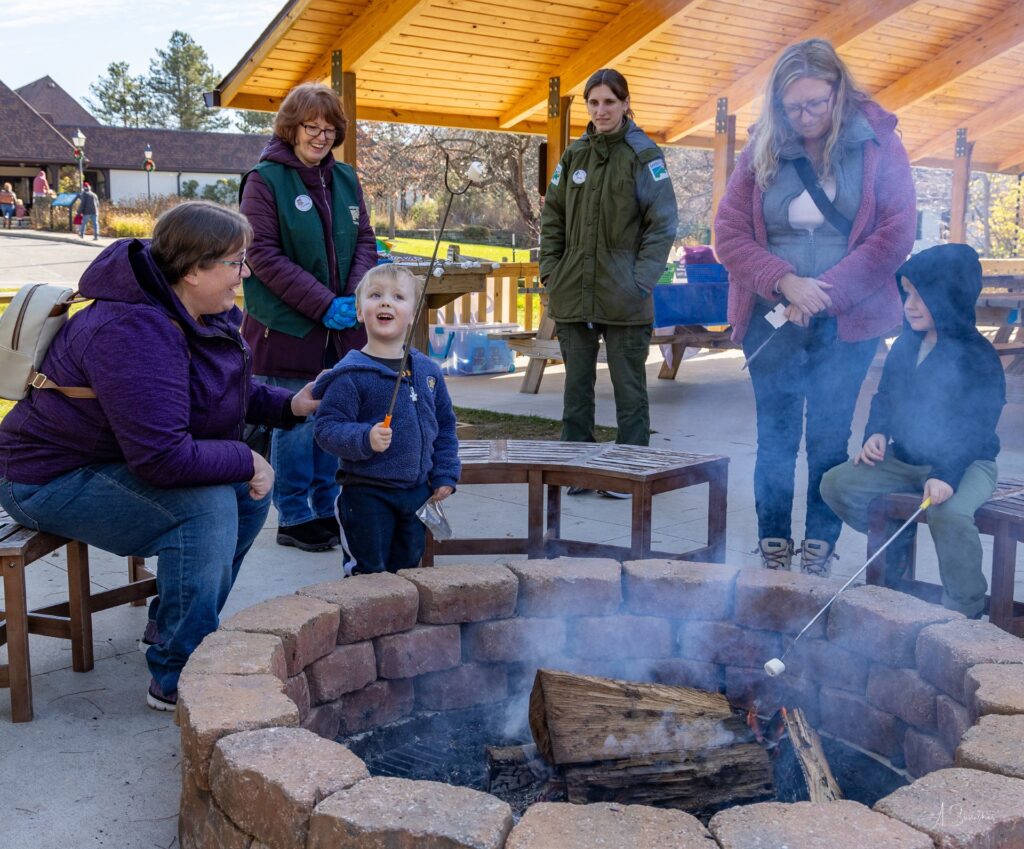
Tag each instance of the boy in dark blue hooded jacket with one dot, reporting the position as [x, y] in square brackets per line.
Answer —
[386, 473]
[932, 426]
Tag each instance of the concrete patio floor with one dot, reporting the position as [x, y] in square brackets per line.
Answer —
[98, 768]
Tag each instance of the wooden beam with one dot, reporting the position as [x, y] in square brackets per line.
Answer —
[372, 32]
[558, 125]
[637, 24]
[979, 124]
[485, 123]
[257, 102]
[348, 104]
[237, 77]
[961, 188]
[724, 157]
[845, 23]
[1014, 163]
[1000, 35]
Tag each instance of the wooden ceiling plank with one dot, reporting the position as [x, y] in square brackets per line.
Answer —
[1013, 163]
[840, 26]
[640, 21]
[1000, 35]
[979, 124]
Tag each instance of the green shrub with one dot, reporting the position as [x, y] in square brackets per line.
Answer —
[121, 225]
[476, 233]
[423, 213]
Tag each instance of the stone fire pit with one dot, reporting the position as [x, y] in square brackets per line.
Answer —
[263, 699]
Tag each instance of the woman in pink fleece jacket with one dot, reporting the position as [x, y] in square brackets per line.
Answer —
[829, 263]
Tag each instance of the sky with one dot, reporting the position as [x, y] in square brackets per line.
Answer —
[74, 41]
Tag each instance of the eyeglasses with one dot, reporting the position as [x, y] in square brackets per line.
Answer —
[313, 131]
[814, 108]
[238, 263]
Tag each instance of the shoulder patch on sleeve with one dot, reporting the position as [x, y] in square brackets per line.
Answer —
[658, 170]
[556, 178]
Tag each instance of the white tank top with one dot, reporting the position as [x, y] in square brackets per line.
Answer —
[804, 213]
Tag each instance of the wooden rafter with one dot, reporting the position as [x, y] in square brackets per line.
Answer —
[840, 26]
[978, 125]
[372, 32]
[638, 23]
[1013, 164]
[252, 60]
[1000, 35]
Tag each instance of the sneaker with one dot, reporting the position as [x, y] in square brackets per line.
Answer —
[607, 493]
[308, 536]
[577, 490]
[157, 699]
[776, 552]
[150, 637]
[330, 524]
[816, 557]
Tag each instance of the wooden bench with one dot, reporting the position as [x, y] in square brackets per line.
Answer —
[641, 472]
[1001, 517]
[69, 620]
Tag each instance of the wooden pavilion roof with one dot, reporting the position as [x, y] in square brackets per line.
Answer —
[485, 64]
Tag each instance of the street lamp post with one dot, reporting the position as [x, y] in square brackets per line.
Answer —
[149, 165]
[78, 140]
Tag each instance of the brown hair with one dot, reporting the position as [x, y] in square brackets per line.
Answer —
[305, 103]
[614, 80]
[197, 233]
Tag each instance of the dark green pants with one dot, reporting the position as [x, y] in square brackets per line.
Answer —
[627, 348]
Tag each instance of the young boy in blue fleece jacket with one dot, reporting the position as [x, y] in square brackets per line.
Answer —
[386, 473]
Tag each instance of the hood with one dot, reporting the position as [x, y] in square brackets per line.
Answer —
[278, 150]
[948, 278]
[354, 360]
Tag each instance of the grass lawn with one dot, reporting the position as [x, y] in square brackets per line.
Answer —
[485, 424]
[425, 247]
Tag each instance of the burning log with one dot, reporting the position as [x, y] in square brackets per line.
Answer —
[511, 768]
[646, 743]
[805, 744]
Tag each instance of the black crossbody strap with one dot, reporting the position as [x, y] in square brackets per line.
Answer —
[825, 206]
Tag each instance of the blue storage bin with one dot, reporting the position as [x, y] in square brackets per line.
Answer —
[709, 272]
[691, 303]
[466, 349]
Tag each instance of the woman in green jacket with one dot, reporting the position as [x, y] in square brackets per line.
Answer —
[609, 221]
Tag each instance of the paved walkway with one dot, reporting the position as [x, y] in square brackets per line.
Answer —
[98, 769]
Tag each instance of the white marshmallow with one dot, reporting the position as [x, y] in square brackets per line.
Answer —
[475, 172]
[774, 667]
[438, 271]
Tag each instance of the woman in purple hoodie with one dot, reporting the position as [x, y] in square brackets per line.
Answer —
[817, 217]
[312, 245]
[154, 464]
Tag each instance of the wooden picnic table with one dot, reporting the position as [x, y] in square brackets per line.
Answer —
[453, 284]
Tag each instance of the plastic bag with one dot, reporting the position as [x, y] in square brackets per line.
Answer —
[431, 515]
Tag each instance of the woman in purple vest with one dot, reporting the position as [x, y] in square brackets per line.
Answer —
[312, 245]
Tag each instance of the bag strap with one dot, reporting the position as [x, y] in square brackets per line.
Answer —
[832, 215]
[38, 380]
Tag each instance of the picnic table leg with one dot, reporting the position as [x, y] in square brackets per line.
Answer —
[669, 371]
[535, 369]
[718, 500]
[78, 606]
[19, 670]
[1004, 558]
[535, 515]
[428, 552]
[554, 528]
[640, 541]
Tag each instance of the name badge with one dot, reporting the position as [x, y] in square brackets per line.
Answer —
[579, 177]
[354, 212]
[303, 203]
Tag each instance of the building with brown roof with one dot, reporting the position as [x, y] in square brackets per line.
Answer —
[38, 122]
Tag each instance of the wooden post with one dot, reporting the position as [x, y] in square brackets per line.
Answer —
[961, 187]
[724, 157]
[344, 85]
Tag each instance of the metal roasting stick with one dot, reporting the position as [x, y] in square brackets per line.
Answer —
[760, 348]
[775, 666]
[776, 317]
[474, 174]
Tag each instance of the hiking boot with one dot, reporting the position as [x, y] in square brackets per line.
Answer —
[307, 536]
[776, 552]
[577, 490]
[330, 524]
[816, 557]
[150, 637]
[157, 699]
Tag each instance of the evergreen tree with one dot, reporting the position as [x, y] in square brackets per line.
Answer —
[178, 78]
[121, 99]
[258, 123]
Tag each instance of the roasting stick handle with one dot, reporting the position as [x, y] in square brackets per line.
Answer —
[923, 506]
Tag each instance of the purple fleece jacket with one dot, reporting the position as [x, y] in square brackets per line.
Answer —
[171, 400]
[864, 296]
[279, 354]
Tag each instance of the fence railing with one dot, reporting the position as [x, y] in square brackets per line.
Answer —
[502, 302]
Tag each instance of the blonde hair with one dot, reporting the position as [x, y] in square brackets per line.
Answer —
[815, 58]
[387, 271]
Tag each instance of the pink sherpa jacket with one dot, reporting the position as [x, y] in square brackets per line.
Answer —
[864, 296]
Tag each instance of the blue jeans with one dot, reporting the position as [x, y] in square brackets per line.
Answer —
[802, 367]
[382, 531]
[95, 219]
[199, 536]
[304, 474]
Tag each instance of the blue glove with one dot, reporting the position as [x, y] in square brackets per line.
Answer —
[341, 314]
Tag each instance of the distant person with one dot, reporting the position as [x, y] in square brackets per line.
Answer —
[40, 186]
[818, 215]
[932, 428]
[41, 199]
[608, 223]
[89, 208]
[313, 243]
[387, 473]
[7, 204]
